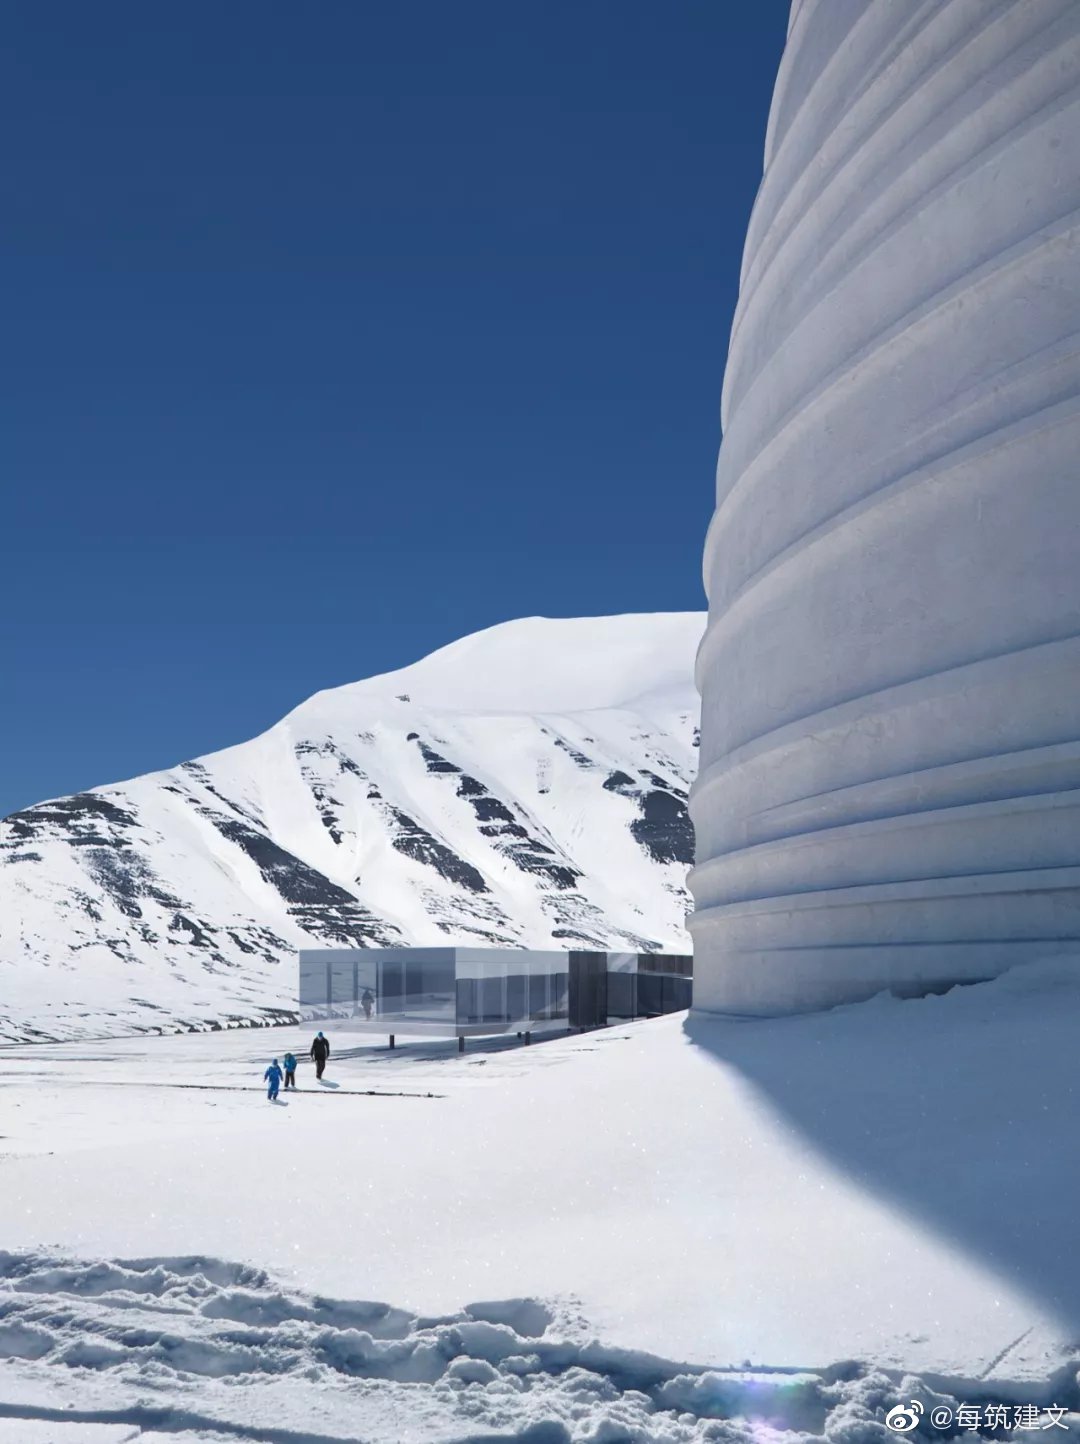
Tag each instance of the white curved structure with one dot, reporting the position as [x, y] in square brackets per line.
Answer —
[890, 756]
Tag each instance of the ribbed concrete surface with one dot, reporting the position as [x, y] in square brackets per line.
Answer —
[889, 792]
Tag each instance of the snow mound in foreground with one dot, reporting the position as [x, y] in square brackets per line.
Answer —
[891, 1182]
[203, 1347]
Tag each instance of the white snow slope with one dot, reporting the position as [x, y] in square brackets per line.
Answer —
[660, 1233]
[524, 786]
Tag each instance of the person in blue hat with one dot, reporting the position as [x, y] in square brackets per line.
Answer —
[290, 1070]
[273, 1079]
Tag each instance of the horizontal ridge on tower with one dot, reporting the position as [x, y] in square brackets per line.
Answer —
[889, 789]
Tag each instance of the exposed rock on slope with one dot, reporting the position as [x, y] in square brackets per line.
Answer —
[525, 786]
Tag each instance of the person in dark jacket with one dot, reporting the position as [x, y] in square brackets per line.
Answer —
[367, 1002]
[289, 1061]
[320, 1051]
[273, 1080]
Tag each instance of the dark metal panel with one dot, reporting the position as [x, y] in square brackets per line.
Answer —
[588, 990]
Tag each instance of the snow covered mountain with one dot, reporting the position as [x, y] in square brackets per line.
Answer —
[524, 786]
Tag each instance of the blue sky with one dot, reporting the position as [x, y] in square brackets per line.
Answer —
[334, 332]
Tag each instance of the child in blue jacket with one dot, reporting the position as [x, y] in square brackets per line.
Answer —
[290, 1070]
[273, 1078]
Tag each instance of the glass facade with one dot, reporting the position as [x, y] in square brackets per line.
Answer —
[657, 983]
[496, 989]
[510, 986]
[413, 982]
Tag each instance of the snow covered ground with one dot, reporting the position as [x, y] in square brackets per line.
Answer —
[672, 1231]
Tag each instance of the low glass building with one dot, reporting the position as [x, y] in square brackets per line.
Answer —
[462, 991]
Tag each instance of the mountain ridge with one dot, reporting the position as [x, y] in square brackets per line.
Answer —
[415, 807]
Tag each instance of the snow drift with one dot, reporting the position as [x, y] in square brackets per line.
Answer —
[201, 1349]
[525, 786]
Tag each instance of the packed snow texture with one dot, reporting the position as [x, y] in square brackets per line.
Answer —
[198, 1348]
[523, 787]
[890, 759]
[660, 1233]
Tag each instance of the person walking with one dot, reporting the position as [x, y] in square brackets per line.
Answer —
[367, 1002]
[290, 1070]
[320, 1051]
[273, 1079]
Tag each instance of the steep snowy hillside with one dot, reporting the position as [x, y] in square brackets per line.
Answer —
[524, 786]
